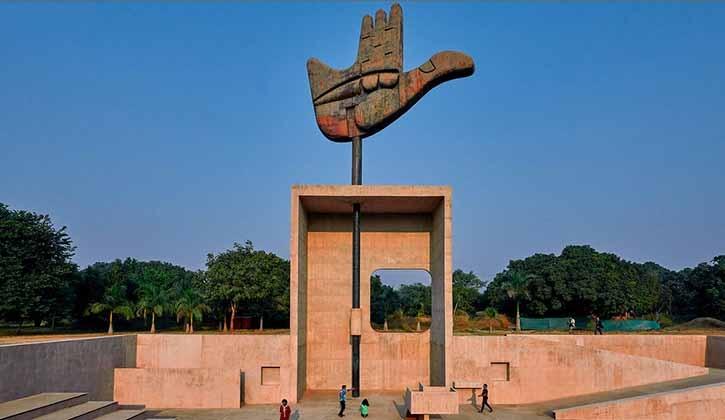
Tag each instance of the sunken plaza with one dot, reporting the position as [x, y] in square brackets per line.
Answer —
[339, 236]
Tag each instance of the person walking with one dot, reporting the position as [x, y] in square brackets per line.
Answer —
[364, 406]
[598, 326]
[572, 324]
[284, 411]
[343, 399]
[484, 398]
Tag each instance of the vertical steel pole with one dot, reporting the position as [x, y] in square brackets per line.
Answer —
[356, 180]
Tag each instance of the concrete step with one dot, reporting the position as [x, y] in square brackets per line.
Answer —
[123, 415]
[40, 404]
[85, 411]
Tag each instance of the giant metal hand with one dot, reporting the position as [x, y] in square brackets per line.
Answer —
[364, 98]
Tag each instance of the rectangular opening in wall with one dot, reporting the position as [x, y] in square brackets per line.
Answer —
[499, 371]
[400, 300]
[270, 375]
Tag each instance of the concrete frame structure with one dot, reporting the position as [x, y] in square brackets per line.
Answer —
[403, 227]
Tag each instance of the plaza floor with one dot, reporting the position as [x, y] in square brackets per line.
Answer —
[323, 406]
[390, 406]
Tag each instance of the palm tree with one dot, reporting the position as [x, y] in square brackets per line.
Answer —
[153, 298]
[516, 287]
[114, 302]
[190, 305]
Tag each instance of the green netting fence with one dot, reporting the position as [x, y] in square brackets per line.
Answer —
[586, 323]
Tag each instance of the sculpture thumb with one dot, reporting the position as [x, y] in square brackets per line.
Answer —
[441, 67]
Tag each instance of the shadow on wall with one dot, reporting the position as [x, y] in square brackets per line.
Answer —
[715, 352]
[72, 365]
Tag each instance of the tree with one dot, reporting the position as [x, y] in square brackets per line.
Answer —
[35, 267]
[384, 300]
[415, 299]
[153, 293]
[491, 314]
[466, 290]
[114, 302]
[245, 277]
[516, 287]
[190, 305]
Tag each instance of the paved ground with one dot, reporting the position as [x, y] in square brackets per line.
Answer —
[389, 406]
[323, 406]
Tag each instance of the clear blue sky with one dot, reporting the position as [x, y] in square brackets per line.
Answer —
[166, 131]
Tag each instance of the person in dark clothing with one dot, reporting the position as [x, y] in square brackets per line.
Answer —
[284, 411]
[484, 398]
[598, 326]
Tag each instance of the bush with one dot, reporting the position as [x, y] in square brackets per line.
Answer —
[664, 319]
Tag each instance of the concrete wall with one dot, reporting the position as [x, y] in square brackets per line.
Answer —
[402, 228]
[696, 403]
[541, 370]
[715, 354]
[388, 360]
[441, 257]
[688, 349]
[179, 388]
[298, 296]
[246, 353]
[76, 365]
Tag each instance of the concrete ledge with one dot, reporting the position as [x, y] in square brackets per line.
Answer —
[431, 400]
[179, 388]
[700, 402]
[685, 349]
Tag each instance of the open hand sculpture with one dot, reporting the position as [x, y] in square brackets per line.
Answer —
[372, 93]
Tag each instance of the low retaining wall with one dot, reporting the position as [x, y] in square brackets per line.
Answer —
[179, 388]
[697, 403]
[522, 369]
[250, 354]
[687, 349]
[73, 365]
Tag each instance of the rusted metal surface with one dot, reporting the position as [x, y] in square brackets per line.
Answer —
[372, 93]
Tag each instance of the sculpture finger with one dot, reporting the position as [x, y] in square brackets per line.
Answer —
[365, 45]
[393, 38]
[441, 67]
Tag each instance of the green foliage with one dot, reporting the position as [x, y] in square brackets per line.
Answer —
[384, 300]
[466, 291]
[490, 312]
[700, 291]
[154, 293]
[249, 279]
[415, 299]
[36, 271]
[114, 301]
[190, 303]
[579, 282]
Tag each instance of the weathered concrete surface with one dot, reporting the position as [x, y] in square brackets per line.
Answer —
[247, 353]
[179, 388]
[687, 349]
[40, 404]
[402, 227]
[431, 400]
[74, 365]
[698, 403]
[542, 370]
[715, 355]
